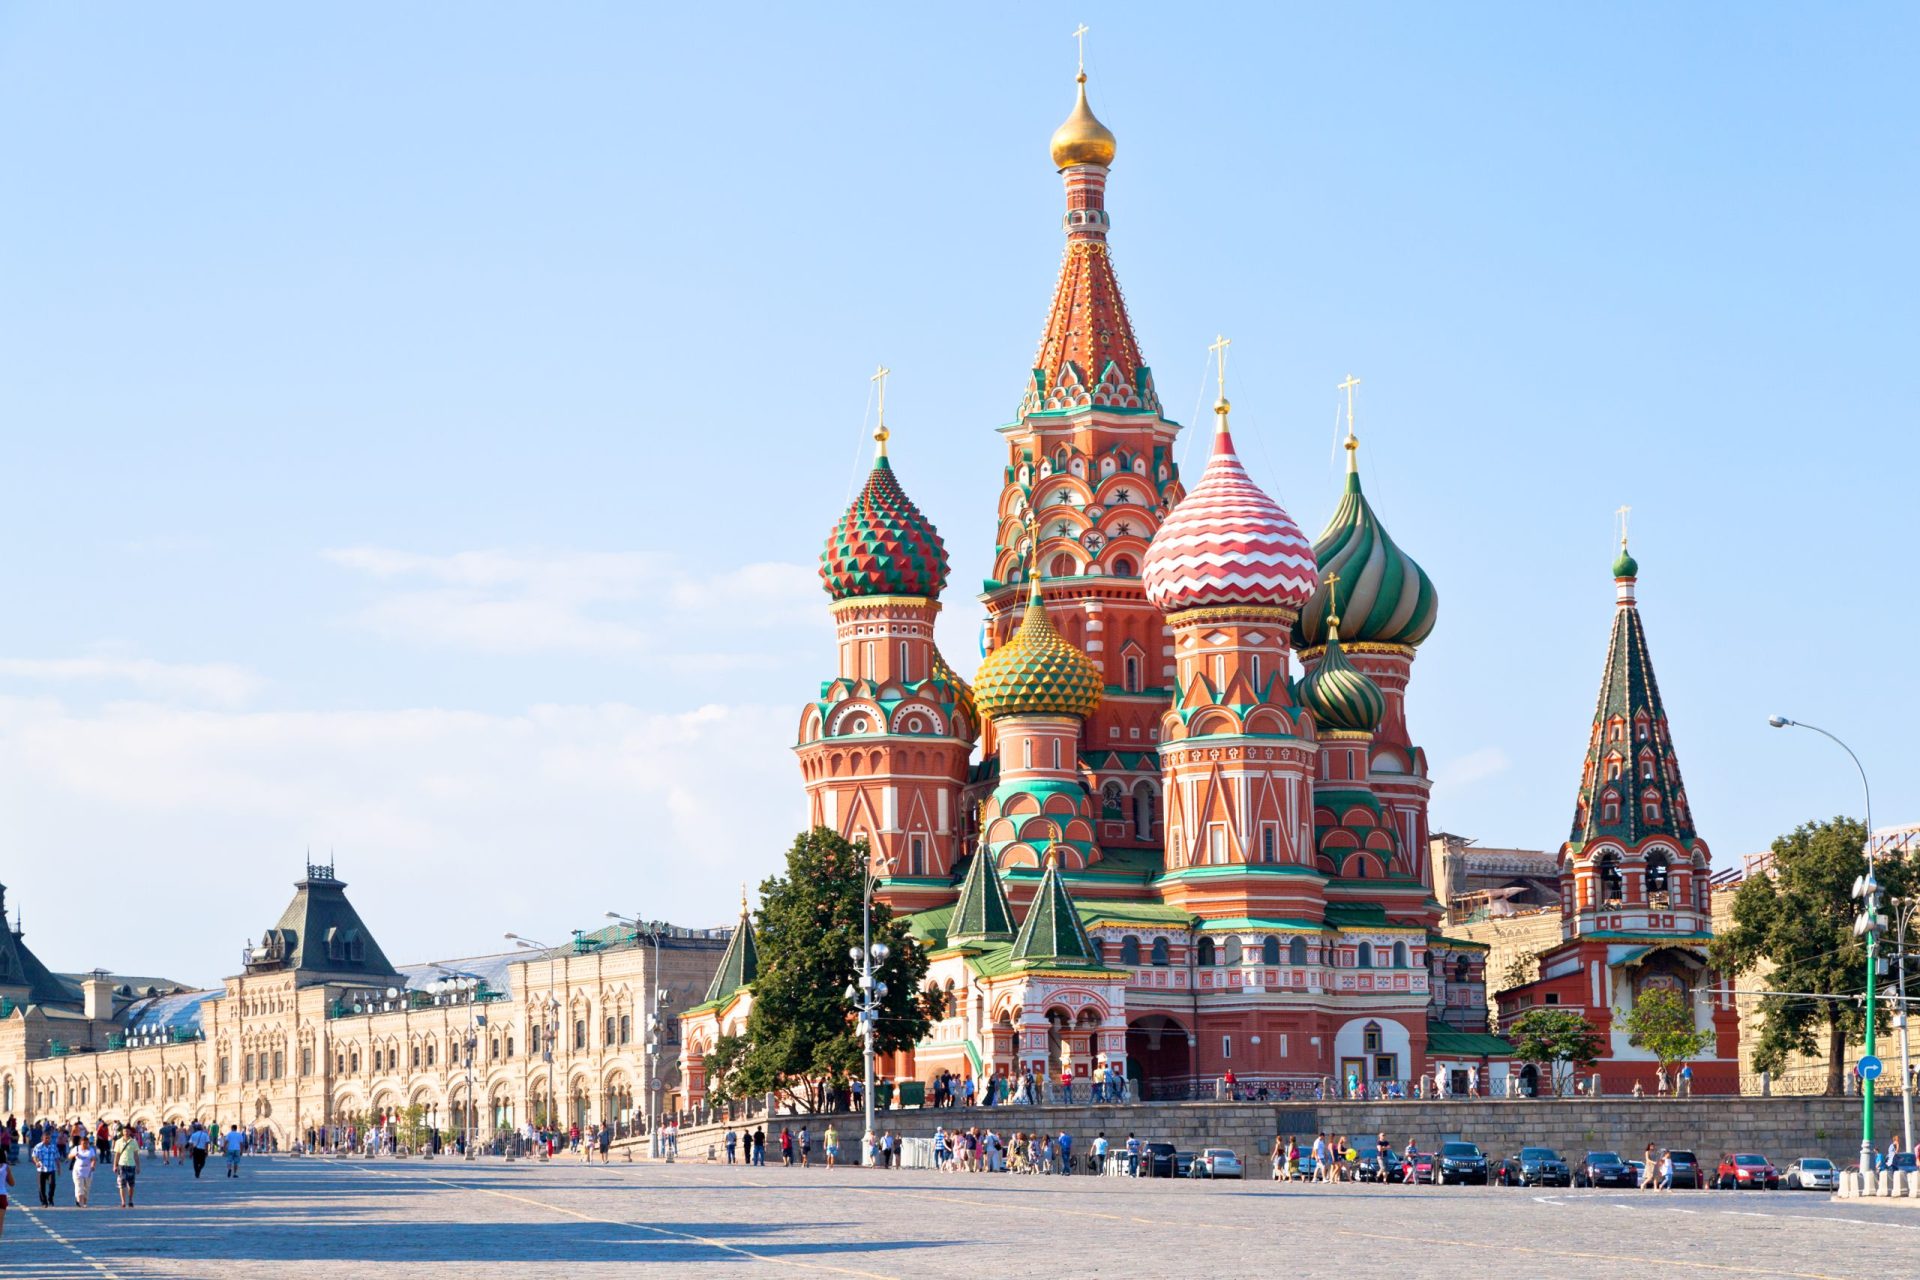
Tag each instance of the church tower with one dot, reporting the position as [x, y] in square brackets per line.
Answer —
[1388, 607]
[884, 748]
[1090, 474]
[1230, 569]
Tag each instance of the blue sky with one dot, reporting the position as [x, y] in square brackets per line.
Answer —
[418, 423]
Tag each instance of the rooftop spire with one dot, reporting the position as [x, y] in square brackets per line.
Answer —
[1082, 139]
[1219, 348]
[880, 432]
[1353, 441]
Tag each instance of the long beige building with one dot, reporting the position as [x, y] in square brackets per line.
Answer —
[320, 1029]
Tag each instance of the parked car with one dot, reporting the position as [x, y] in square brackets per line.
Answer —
[1183, 1164]
[1216, 1162]
[1462, 1162]
[1746, 1170]
[1687, 1171]
[1812, 1173]
[1605, 1169]
[1903, 1163]
[1370, 1166]
[1639, 1168]
[1424, 1164]
[1160, 1160]
[1534, 1167]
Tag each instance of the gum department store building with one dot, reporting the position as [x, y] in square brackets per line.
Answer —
[1172, 852]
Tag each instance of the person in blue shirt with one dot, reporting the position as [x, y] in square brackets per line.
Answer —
[46, 1163]
[1066, 1152]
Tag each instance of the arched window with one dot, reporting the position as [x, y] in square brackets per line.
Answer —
[1234, 953]
[1656, 874]
[1297, 951]
[1461, 968]
[626, 1028]
[1610, 807]
[1122, 567]
[1133, 674]
[1130, 951]
[1159, 953]
[1270, 951]
[1612, 887]
[1143, 811]
[1650, 807]
[1365, 960]
[1099, 950]
[1206, 951]
[1399, 955]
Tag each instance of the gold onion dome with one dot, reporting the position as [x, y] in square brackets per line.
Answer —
[1082, 139]
[1037, 672]
[1341, 697]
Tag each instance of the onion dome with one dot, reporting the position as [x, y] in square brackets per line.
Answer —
[1082, 139]
[883, 546]
[1341, 697]
[1037, 672]
[1626, 566]
[1228, 543]
[1385, 596]
[962, 692]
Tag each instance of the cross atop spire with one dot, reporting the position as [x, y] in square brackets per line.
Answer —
[1219, 348]
[1080, 39]
[1622, 515]
[880, 432]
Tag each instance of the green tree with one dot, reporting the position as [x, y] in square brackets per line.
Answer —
[723, 1066]
[1561, 1037]
[1798, 918]
[1661, 1022]
[801, 1037]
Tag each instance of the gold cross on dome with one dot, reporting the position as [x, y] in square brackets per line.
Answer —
[1219, 348]
[880, 432]
[1623, 513]
[1348, 387]
[1333, 599]
[1080, 38]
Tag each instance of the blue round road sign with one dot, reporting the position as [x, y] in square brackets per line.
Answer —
[1870, 1068]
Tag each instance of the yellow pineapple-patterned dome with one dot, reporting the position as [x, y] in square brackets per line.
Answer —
[1037, 672]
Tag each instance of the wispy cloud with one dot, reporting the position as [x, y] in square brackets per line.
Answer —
[217, 682]
[452, 825]
[613, 604]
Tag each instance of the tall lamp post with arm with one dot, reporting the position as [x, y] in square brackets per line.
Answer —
[865, 994]
[466, 985]
[1870, 924]
[548, 1030]
[658, 995]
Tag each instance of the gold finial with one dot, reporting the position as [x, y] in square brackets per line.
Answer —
[1082, 139]
[1053, 857]
[1219, 348]
[1623, 513]
[1333, 605]
[1353, 441]
[880, 432]
[743, 897]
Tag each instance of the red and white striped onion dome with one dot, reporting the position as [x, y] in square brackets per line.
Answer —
[1228, 543]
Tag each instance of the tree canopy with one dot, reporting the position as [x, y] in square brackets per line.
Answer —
[1562, 1037]
[1661, 1022]
[1794, 925]
[801, 1037]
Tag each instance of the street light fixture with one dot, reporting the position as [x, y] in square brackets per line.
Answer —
[865, 994]
[460, 982]
[1870, 924]
[658, 995]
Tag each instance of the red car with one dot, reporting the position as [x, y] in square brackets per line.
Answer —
[1744, 1170]
[1423, 1166]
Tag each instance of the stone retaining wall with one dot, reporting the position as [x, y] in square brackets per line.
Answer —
[1780, 1128]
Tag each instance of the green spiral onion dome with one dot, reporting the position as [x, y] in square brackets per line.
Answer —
[1385, 597]
[1341, 697]
[1626, 566]
[883, 546]
[1037, 672]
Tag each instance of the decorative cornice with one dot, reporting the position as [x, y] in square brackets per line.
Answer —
[1234, 613]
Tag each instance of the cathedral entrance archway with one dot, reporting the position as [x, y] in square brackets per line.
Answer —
[1158, 1056]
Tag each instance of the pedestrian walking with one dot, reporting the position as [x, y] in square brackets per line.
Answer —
[83, 1158]
[126, 1165]
[236, 1142]
[733, 1142]
[832, 1141]
[45, 1156]
[197, 1140]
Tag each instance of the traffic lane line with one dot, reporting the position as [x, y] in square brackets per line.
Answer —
[99, 1267]
[775, 1259]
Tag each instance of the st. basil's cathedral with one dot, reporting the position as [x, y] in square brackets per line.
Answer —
[1176, 853]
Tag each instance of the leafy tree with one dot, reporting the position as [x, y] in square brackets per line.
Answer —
[1798, 918]
[1661, 1022]
[1523, 968]
[1562, 1037]
[801, 1036]
[722, 1066]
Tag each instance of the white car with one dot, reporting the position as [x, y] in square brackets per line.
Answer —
[1811, 1173]
[1217, 1162]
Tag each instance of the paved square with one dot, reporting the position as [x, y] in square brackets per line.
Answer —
[414, 1218]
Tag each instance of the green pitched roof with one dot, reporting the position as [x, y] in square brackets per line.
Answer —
[741, 963]
[982, 913]
[1052, 934]
[1643, 750]
[1454, 1043]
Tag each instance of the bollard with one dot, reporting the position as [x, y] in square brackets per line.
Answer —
[1847, 1190]
[1899, 1187]
[1880, 1182]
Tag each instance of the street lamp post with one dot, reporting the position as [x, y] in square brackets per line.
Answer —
[865, 994]
[1869, 924]
[460, 982]
[658, 994]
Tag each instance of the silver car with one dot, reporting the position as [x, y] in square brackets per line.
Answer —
[1217, 1162]
[1811, 1173]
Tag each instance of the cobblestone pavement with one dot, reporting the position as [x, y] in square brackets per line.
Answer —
[414, 1218]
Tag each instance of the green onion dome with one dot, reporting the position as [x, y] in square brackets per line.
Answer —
[1037, 672]
[963, 701]
[1385, 597]
[1341, 697]
[883, 546]
[1626, 566]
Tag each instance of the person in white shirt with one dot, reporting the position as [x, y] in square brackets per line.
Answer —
[84, 1159]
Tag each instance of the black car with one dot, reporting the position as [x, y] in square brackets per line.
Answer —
[1462, 1162]
[1369, 1164]
[1535, 1167]
[1160, 1160]
[1687, 1171]
[1604, 1169]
